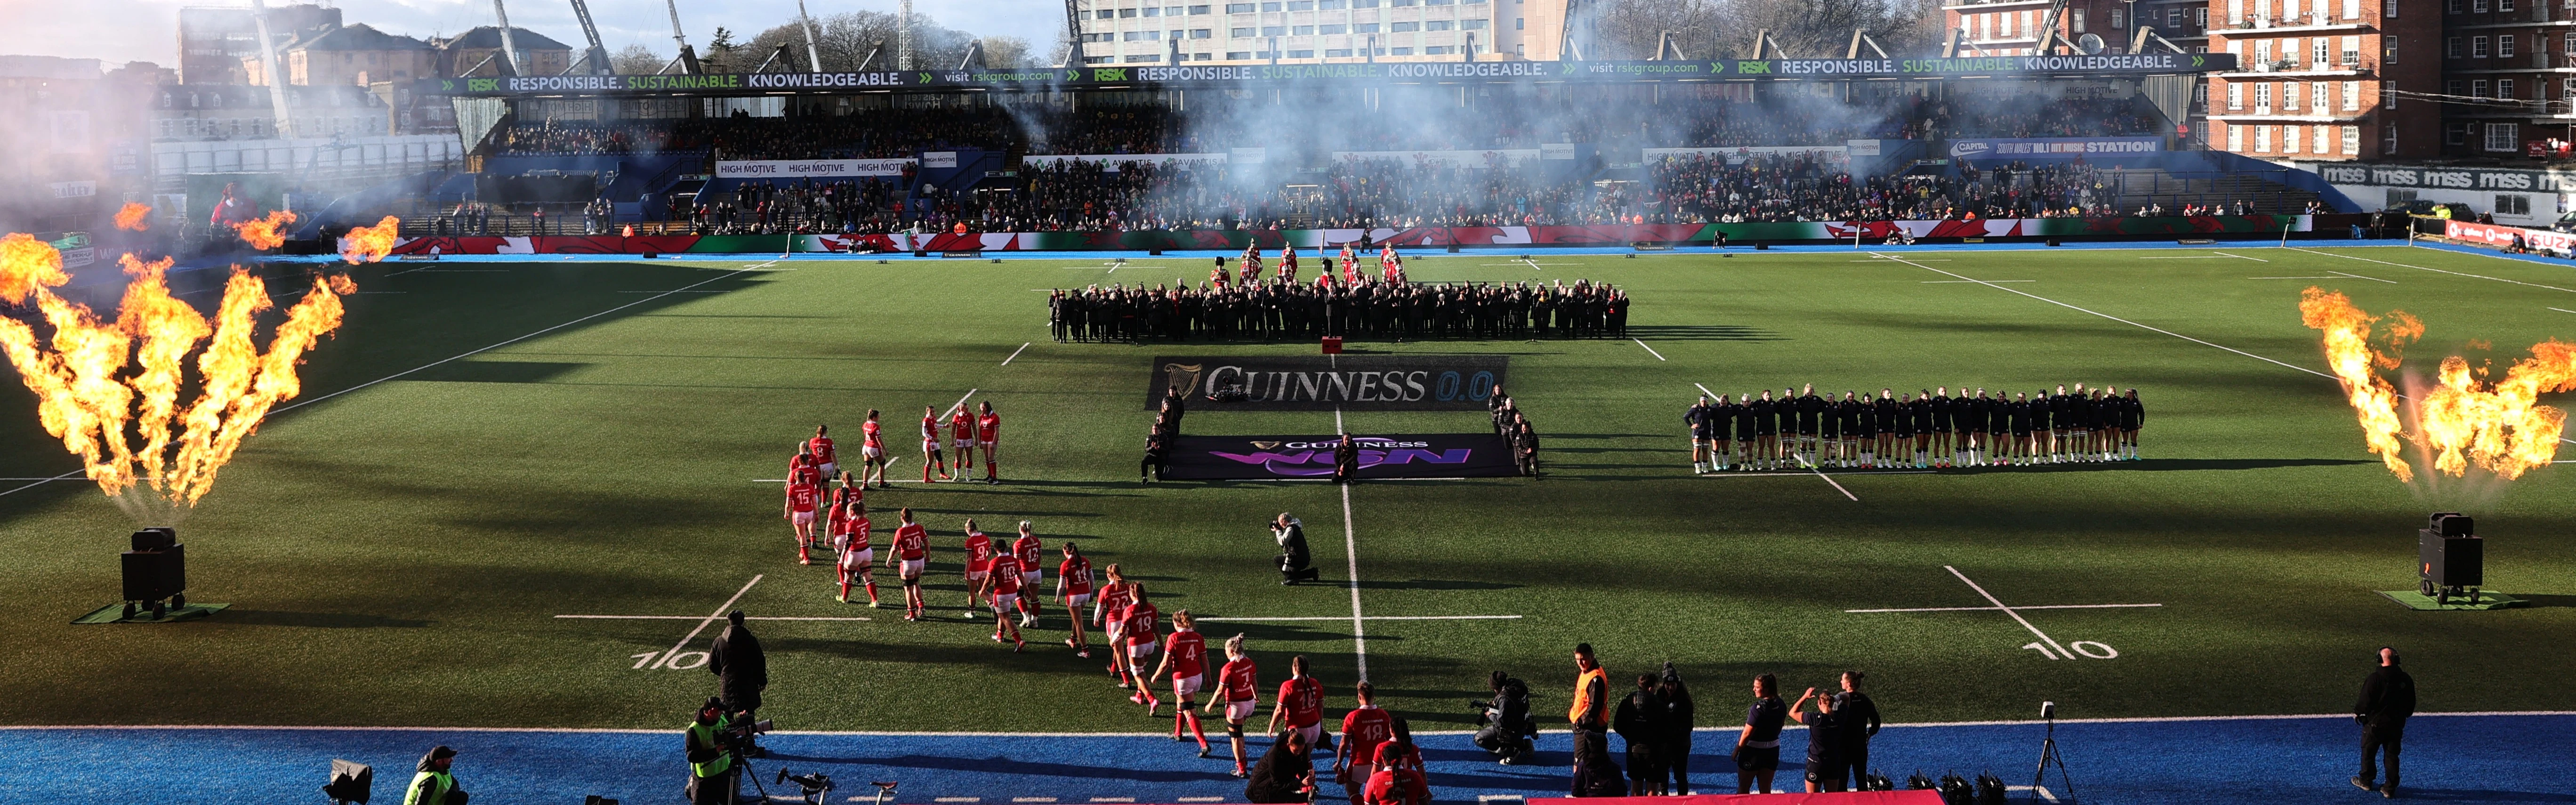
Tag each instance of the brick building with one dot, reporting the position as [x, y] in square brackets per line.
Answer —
[1316, 31]
[356, 55]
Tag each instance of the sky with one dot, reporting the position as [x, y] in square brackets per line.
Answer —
[119, 31]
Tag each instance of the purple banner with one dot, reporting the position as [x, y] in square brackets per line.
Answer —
[1439, 455]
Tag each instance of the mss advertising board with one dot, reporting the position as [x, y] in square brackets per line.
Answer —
[1439, 455]
[1324, 383]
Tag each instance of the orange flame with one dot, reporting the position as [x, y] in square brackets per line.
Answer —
[263, 233]
[368, 244]
[87, 398]
[131, 217]
[2463, 420]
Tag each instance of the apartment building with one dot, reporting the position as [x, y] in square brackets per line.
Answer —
[2508, 74]
[2325, 79]
[1313, 31]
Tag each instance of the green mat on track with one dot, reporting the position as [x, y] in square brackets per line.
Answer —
[115, 613]
[2487, 599]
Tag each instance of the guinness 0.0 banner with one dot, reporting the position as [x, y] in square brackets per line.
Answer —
[1440, 455]
[1326, 382]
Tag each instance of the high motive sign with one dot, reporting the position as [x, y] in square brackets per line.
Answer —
[1077, 78]
[1324, 383]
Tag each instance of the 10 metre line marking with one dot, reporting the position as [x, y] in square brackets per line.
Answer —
[711, 618]
[1649, 350]
[1015, 354]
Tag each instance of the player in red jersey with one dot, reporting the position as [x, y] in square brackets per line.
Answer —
[825, 458]
[912, 549]
[979, 564]
[988, 429]
[1185, 655]
[1300, 703]
[1239, 686]
[961, 438]
[1027, 548]
[1143, 635]
[930, 453]
[804, 495]
[857, 546]
[1346, 253]
[1105, 612]
[1006, 596]
[872, 451]
[1395, 783]
[1363, 728]
[1073, 587]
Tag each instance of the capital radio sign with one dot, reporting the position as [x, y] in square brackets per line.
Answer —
[1320, 383]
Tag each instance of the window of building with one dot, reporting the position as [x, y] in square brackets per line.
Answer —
[2451, 6]
[1144, 59]
[2352, 51]
[2352, 96]
[2235, 96]
[2263, 99]
[1363, 27]
[2263, 51]
[1520, 24]
[2478, 6]
[1301, 54]
[2290, 139]
[2504, 88]
[2566, 88]
[2235, 138]
[2235, 14]
[2455, 134]
[1144, 36]
[2352, 141]
[2388, 50]
[1270, 6]
[2505, 45]
[2078, 20]
[1239, 8]
[2290, 95]
[1241, 33]
[1108, 13]
[1100, 60]
[1401, 27]
[1471, 25]
[1301, 5]
[1202, 33]
[1364, 3]
[1399, 51]
[1437, 50]
[1274, 30]
[2352, 9]
[1437, 25]
[2319, 144]
[1198, 10]
[1153, 12]
[1301, 30]
[1400, 3]
[2504, 5]
[2503, 138]
[2511, 203]
[1238, 55]
[2477, 47]
[1329, 30]
[2478, 88]
[2262, 139]
[1126, 13]
[1337, 53]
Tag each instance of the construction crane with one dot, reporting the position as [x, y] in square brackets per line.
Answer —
[597, 56]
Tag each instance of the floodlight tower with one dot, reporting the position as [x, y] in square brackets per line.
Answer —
[598, 54]
[509, 48]
[284, 120]
[903, 36]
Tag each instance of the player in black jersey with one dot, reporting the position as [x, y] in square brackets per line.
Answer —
[1697, 419]
[1748, 431]
[2079, 414]
[1904, 440]
[2027, 417]
[1921, 408]
[1860, 429]
[1721, 429]
[1810, 408]
[1829, 431]
[1766, 442]
[2106, 424]
[2060, 425]
[2132, 415]
[1941, 427]
[2042, 415]
[1999, 429]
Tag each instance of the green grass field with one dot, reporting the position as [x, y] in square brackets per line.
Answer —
[394, 555]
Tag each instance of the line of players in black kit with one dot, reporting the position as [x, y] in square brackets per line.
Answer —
[1801, 429]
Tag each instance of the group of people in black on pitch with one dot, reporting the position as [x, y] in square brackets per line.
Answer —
[1515, 429]
[1387, 307]
[1933, 429]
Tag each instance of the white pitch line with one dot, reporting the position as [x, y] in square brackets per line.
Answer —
[1649, 350]
[2290, 278]
[1999, 604]
[2360, 277]
[1952, 282]
[1379, 618]
[1838, 485]
[2044, 793]
[1731, 474]
[1991, 609]
[2563, 310]
[1533, 265]
[2242, 257]
[1032, 799]
[1015, 354]
[953, 799]
[1351, 552]
[2192, 257]
[2434, 270]
[702, 625]
[1113, 799]
[694, 617]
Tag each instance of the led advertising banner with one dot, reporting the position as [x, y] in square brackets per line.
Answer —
[1327, 382]
[1439, 455]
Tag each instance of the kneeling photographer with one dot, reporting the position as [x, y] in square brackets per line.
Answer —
[1505, 727]
[1295, 563]
[717, 742]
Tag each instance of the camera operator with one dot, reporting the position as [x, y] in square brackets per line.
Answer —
[713, 777]
[433, 784]
[1506, 729]
[1295, 563]
[1284, 775]
[742, 672]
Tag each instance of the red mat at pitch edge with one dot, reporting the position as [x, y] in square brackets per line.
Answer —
[1924, 797]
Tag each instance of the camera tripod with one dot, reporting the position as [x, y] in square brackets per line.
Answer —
[2049, 756]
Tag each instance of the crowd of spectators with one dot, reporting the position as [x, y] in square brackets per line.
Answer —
[1806, 188]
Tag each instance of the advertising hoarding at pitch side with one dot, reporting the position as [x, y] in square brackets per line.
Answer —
[1323, 383]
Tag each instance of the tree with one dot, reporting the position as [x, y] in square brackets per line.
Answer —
[721, 52]
[1006, 53]
[636, 59]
